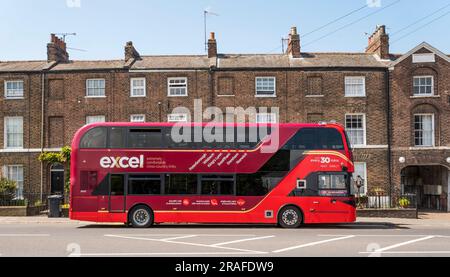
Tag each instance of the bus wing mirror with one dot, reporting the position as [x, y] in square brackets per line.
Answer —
[301, 184]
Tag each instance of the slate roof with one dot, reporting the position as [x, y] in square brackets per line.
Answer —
[90, 65]
[224, 61]
[173, 62]
[24, 66]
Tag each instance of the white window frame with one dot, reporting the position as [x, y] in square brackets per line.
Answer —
[14, 97]
[137, 115]
[133, 87]
[364, 129]
[421, 77]
[347, 81]
[19, 183]
[5, 132]
[273, 116]
[91, 116]
[95, 96]
[365, 179]
[433, 129]
[169, 86]
[175, 115]
[274, 94]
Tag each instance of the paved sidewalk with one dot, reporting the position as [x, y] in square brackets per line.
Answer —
[436, 216]
[35, 220]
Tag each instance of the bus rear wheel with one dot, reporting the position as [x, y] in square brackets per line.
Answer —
[141, 217]
[290, 217]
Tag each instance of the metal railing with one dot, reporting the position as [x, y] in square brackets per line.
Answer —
[384, 201]
[24, 200]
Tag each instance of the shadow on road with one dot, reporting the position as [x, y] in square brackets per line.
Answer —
[354, 226]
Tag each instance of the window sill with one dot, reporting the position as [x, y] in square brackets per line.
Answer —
[423, 147]
[361, 146]
[356, 96]
[265, 96]
[226, 95]
[139, 96]
[178, 95]
[14, 98]
[13, 149]
[424, 96]
[315, 96]
[93, 97]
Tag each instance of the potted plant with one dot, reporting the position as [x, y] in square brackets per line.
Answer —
[7, 190]
[363, 200]
[404, 202]
[65, 210]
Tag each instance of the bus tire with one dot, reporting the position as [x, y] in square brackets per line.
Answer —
[290, 217]
[141, 217]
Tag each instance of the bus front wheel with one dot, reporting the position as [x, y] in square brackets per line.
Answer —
[141, 217]
[290, 217]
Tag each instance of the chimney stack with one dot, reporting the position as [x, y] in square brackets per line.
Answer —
[294, 43]
[212, 46]
[379, 43]
[131, 52]
[57, 50]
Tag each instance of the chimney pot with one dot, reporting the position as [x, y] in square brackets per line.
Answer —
[378, 42]
[294, 30]
[212, 46]
[56, 50]
[294, 43]
[131, 52]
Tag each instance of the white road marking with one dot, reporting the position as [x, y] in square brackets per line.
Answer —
[200, 235]
[402, 244]
[24, 235]
[189, 243]
[410, 252]
[413, 236]
[312, 244]
[171, 254]
[241, 240]
[182, 237]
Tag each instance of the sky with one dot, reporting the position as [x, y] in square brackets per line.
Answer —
[160, 27]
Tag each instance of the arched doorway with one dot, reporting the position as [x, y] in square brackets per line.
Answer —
[57, 179]
[430, 183]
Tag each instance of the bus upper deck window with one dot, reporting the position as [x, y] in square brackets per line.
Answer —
[330, 139]
[145, 138]
[316, 139]
[94, 138]
[116, 137]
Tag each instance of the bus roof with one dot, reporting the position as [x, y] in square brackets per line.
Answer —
[78, 135]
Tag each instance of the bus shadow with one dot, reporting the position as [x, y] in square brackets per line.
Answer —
[353, 226]
[358, 226]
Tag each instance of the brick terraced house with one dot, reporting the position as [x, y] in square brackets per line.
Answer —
[394, 107]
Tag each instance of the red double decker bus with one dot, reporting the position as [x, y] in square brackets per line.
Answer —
[142, 173]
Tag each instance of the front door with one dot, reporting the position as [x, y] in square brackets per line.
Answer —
[117, 194]
[57, 179]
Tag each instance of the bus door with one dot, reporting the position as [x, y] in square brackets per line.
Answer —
[117, 195]
[332, 187]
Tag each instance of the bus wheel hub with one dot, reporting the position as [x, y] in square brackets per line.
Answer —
[290, 217]
[141, 216]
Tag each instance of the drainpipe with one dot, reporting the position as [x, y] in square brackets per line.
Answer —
[42, 132]
[389, 130]
[211, 86]
[29, 132]
[286, 84]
